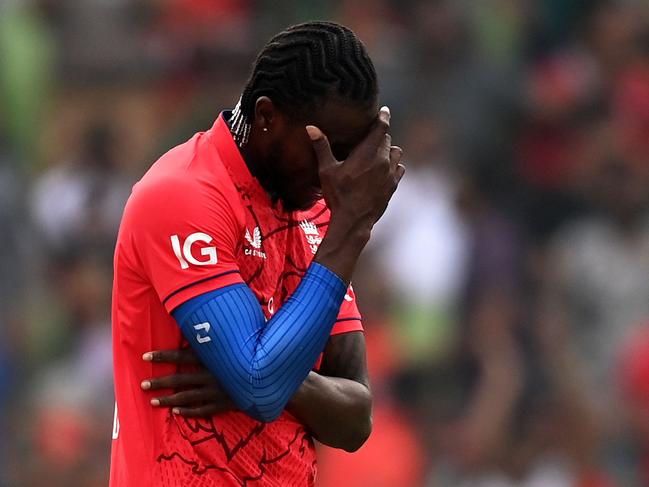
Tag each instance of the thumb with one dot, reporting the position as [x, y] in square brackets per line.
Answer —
[400, 171]
[320, 146]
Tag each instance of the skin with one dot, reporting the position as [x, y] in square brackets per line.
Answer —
[335, 404]
[282, 155]
[300, 161]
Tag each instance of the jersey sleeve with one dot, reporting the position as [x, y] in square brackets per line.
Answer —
[349, 317]
[185, 236]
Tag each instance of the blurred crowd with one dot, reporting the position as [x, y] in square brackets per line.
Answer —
[505, 293]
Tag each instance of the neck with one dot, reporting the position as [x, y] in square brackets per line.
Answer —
[259, 169]
[251, 154]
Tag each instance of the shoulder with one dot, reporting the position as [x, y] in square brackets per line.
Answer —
[181, 186]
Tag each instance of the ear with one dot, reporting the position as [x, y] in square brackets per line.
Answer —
[267, 115]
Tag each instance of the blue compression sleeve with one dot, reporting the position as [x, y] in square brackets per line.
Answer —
[262, 363]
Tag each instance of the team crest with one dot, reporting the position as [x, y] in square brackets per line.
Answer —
[312, 235]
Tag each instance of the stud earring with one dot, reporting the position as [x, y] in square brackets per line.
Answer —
[265, 129]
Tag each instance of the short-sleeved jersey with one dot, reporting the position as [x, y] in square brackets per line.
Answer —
[198, 221]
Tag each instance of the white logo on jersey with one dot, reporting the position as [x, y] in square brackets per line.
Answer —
[202, 338]
[255, 242]
[312, 235]
[115, 424]
[186, 257]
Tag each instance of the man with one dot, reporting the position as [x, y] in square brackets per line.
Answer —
[226, 247]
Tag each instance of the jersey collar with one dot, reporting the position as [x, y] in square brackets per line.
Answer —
[221, 138]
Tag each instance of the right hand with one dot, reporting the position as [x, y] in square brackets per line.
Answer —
[194, 394]
[358, 189]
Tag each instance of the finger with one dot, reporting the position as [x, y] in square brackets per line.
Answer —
[178, 380]
[396, 153]
[186, 398]
[185, 356]
[399, 172]
[385, 148]
[321, 146]
[377, 136]
[205, 411]
[385, 115]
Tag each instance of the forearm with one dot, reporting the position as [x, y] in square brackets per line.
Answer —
[337, 411]
[260, 363]
[342, 245]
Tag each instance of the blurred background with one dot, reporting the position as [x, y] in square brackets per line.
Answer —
[505, 292]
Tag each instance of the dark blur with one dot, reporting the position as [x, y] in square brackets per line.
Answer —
[505, 292]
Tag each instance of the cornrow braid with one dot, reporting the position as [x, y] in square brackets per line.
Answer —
[301, 67]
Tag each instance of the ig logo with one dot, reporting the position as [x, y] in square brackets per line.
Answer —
[185, 257]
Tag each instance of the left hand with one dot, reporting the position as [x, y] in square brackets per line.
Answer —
[196, 394]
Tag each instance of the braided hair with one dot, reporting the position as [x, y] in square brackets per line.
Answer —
[303, 66]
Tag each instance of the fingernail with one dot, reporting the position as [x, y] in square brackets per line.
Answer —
[386, 109]
[175, 411]
[147, 357]
[314, 132]
[155, 402]
[145, 384]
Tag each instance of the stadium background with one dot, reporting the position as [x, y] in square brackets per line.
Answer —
[505, 293]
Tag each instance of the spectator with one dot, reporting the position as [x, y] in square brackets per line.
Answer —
[82, 198]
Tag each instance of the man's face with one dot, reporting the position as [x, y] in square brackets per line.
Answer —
[291, 155]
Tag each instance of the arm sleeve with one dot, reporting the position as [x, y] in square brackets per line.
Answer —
[261, 364]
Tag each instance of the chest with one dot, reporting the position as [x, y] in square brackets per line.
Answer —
[275, 250]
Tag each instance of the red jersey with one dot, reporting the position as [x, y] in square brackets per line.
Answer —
[198, 221]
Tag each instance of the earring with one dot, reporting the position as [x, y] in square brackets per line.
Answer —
[265, 129]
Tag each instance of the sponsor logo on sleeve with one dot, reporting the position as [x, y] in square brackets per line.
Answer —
[203, 327]
[184, 252]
